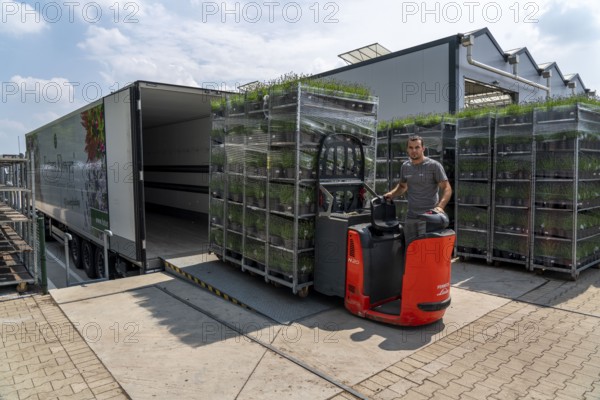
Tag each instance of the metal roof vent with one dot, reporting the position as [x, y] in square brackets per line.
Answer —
[364, 53]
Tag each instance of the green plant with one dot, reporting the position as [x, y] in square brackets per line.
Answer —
[250, 220]
[218, 106]
[216, 236]
[217, 210]
[307, 195]
[260, 222]
[288, 159]
[289, 83]
[235, 215]
[306, 263]
[287, 196]
[306, 229]
[255, 250]
[287, 230]
[235, 188]
[428, 120]
[280, 260]
[217, 156]
[236, 103]
[217, 185]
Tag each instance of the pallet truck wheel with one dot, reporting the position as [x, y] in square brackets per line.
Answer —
[302, 293]
[497, 263]
[276, 284]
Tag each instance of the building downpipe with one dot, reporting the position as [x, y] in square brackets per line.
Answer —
[469, 40]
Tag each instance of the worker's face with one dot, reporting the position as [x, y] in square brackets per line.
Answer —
[415, 150]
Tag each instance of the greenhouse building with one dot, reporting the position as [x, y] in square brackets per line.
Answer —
[453, 73]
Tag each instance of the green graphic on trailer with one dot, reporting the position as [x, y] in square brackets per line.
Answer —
[99, 219]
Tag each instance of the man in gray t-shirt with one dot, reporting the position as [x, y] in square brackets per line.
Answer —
[421, 178]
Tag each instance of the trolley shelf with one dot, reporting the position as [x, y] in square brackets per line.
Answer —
[9, 215]
[11, 242]
[9, 188]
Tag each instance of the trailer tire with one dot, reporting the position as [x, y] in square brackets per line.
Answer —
[87, 259]
[75, 250]
[99, 263]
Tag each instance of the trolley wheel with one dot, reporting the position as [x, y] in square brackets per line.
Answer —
[75, 250]
[21, 287]
[87, 259]
[302, 293]
[574, 275]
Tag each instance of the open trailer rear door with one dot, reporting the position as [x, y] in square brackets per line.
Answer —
[123, 174]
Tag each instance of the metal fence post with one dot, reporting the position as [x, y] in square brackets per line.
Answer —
[67, 239]
[107, 234]
[42, 250]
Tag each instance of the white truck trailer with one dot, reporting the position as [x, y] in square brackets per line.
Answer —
[131, 168]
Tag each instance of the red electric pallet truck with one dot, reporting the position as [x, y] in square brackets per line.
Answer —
[387, 271]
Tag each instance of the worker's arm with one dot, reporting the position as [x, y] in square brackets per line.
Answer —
[399, 190]
[446, 194]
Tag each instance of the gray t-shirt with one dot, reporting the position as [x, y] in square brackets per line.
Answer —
[422, 180]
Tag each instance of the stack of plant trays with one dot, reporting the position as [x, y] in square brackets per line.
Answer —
[512, 188]
[473, 184]
[263, 218]
[567, 189]
[383, 184]
[398, 136]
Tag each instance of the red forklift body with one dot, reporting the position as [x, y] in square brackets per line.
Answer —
[386, 271]
[410, 289]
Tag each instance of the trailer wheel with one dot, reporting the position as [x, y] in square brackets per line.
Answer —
[87, 258]
[99, 263]
[75, 250]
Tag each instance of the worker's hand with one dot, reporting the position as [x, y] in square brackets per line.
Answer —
[439, 210]
[388, 196]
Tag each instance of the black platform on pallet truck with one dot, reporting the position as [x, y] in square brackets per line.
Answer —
[277, 303]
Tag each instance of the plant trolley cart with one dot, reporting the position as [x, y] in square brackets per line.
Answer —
[17, 225]
[567, 189]
[263, 194]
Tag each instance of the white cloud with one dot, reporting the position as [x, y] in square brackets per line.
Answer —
[21, 19]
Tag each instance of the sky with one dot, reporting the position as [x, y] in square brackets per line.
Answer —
[57, 56]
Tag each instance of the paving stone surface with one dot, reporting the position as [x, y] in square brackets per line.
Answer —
[44, 357]
[544, 344]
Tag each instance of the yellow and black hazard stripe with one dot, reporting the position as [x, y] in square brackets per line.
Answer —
[205, 285]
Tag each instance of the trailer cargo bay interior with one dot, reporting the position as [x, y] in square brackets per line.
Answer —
[134, 162]
[175, 134]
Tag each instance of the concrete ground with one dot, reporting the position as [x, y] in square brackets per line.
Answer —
[508, 334]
